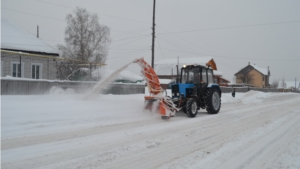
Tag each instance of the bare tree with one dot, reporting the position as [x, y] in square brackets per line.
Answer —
[275, 83]
[283, 84]
[86, 42]
[245, 78]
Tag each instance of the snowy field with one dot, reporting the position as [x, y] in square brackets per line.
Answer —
[64, 130]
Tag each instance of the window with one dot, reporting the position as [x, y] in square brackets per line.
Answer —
[210, 76]
[204, 77]
[36, 71]
[263, 78]
[17, 70]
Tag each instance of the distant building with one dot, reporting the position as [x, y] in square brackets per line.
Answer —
[24, 55]
[254, 76]
[167, 68]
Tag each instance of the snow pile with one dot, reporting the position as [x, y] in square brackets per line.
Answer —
[55, 90]
[245, 98]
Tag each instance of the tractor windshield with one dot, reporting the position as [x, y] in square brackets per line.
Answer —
[190, 76]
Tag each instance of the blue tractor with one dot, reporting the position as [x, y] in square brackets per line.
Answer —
[195, 89]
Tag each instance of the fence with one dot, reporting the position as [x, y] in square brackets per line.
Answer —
[36, 87]
[246, 89]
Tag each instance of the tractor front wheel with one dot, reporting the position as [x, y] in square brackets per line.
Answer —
[191, 108]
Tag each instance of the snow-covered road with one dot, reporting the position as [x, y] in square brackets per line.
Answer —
[253, 130]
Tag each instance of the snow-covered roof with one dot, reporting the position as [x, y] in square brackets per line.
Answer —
[264, 71]
[168, 66]
[17, 39]
[218, 73]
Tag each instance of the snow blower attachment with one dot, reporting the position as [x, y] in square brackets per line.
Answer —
[195, 88]
[156, 101]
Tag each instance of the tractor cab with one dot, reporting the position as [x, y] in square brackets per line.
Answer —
[194, 79]
[196, 89]
[196, 74]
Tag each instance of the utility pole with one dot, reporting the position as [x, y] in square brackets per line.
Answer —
[20, 67]
[153, 34]
[37, 33]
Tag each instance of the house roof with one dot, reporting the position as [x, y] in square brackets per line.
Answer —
[15, 39]
[248, 68]
[225, 80]
[168, 66]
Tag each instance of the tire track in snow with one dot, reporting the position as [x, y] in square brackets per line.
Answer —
[184, 147]
[41, 139]
[202, 133]
[254, 155]
[137, 154]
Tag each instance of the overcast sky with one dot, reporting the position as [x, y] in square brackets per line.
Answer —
[233, 32]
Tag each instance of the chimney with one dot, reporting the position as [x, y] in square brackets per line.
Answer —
[248, 63]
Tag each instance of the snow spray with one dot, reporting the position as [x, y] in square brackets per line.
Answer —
[104, 82]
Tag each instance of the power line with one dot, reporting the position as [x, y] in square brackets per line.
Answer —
[132, 31]
[130, 49]
[32, 14]
[161, 50]
[136, 34]
[178, 45]
[132, 53]
[55, 4]
[132, 41]
[125, 32]
[189, 42]
[116, 17]
[230, 27]
[229, 56]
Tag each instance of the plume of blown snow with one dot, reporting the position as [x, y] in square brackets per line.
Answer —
[107, 78]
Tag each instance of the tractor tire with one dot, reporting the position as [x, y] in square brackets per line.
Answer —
[191, 108]
[213, 101]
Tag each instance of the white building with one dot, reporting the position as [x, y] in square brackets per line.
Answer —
[24, 55]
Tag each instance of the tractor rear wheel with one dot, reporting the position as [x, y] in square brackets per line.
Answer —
[191, 108]
[213, 101]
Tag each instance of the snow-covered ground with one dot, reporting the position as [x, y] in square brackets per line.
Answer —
[64, 130]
